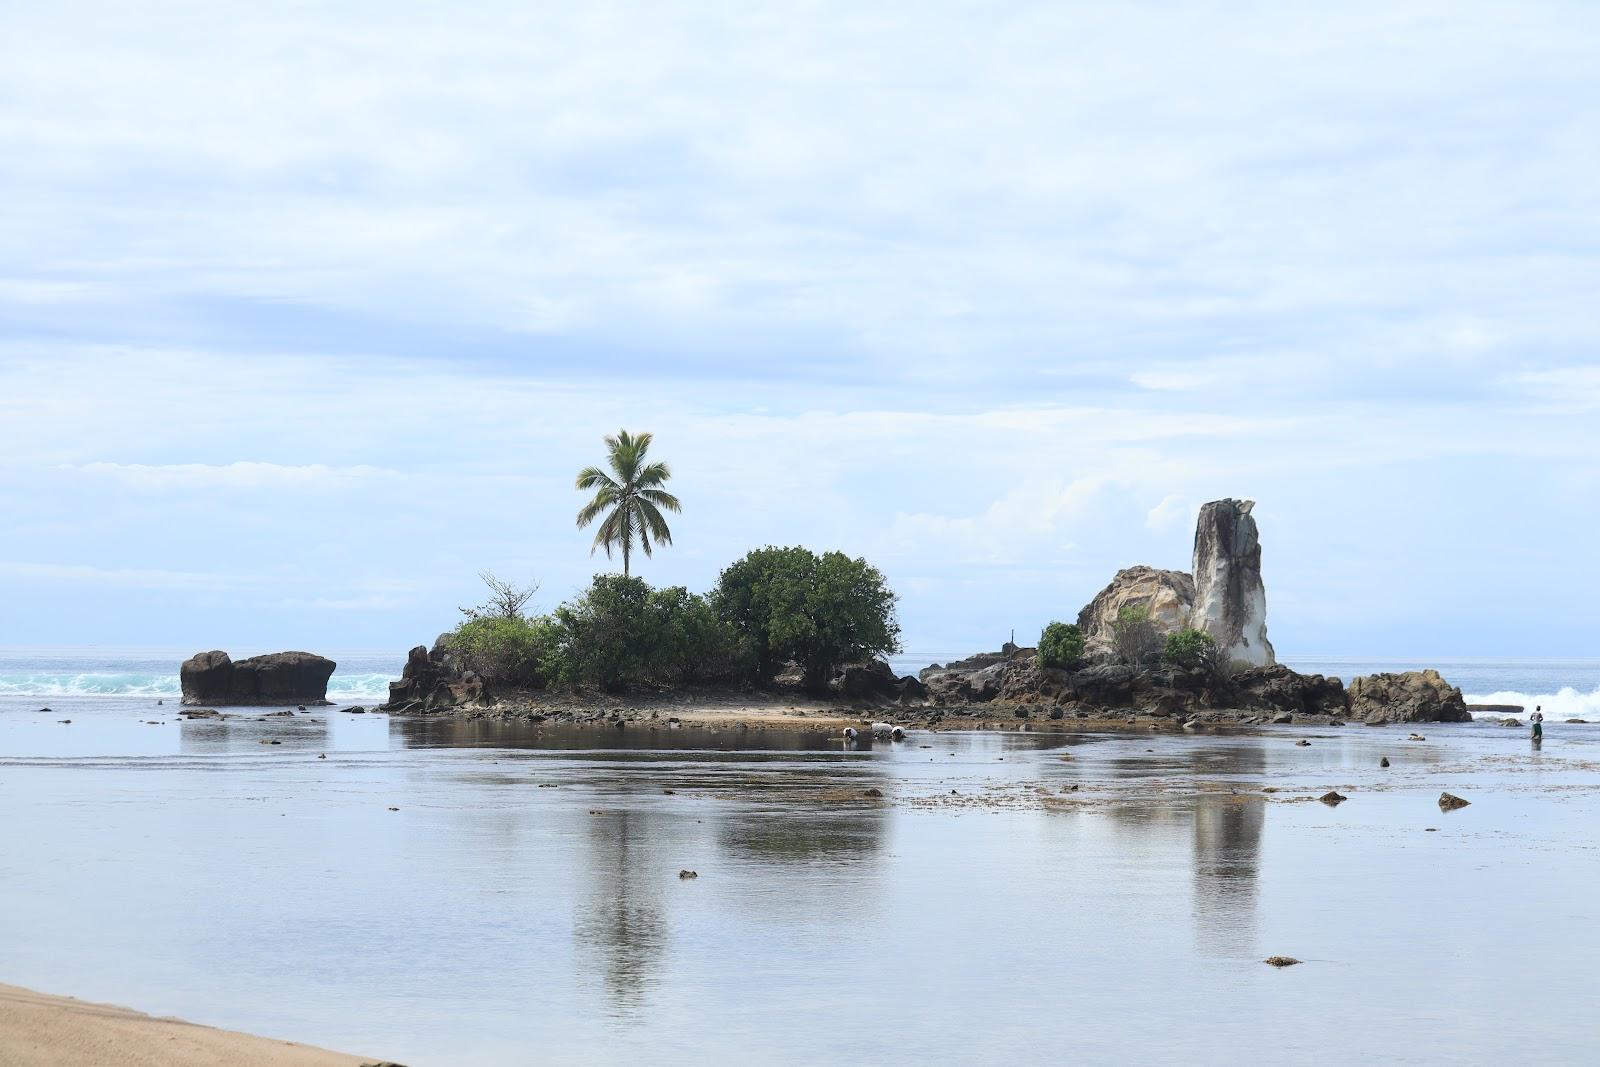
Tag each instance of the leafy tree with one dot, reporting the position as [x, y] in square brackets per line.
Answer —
[1189, 649]
[604, 633]
[1135, 638]
[630, 498]
[1060, 645]
[820, 611]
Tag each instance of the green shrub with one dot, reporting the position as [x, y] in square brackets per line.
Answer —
[1188, 649]
[508, 651]
[820, 611]
[621, 632]
[1060, 645]
[1135, 638]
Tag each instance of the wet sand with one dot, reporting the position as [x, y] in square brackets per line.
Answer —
[40, 1030]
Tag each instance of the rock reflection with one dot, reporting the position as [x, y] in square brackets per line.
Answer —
[241, 730]
[1227, 856]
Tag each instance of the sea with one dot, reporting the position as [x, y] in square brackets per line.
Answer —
[1564, 688]
[467, 893]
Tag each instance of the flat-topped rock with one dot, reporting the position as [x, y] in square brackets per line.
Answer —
[1413, 696]
[275, 678]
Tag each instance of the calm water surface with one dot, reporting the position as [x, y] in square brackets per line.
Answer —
[981, 912]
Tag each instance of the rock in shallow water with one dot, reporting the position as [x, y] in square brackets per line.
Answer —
[1281, 961]
[1412, 696]
[1450, 802]
[276, 678]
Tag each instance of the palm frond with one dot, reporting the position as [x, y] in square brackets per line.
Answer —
[652, 521]
[653, 475]
[661, 499]
[590, 477]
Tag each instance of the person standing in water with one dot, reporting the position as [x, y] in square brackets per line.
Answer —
[1537, 718]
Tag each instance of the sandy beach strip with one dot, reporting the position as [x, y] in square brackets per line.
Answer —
[40, 1030]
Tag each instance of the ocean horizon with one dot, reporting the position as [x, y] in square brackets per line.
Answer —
[1565, 688]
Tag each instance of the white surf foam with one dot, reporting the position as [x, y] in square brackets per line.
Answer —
[341, 688]
[1566, 703]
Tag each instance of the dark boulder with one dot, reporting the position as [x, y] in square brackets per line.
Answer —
[433, 681]
[875, 682]
[276, 678]
[1279, 689]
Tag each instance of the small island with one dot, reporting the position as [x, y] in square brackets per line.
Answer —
[790, 633]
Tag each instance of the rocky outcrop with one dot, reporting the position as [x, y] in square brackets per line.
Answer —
[1230, 603]
[1414, 696]
[1259, 693]
[1223, 596]
[433, 681]
[979, 661]
[1277, 688]
[1166, 596]
[875, 681]
[276, 678]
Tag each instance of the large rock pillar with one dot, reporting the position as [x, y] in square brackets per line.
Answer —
[1230, 603]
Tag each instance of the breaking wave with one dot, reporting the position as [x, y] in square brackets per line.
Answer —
[162, 684]
[1566, 703]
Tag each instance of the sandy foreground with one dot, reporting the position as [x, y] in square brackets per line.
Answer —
[39, 1030]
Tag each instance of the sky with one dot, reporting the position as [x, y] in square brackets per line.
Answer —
[309, 313]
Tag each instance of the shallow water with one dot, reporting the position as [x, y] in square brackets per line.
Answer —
[980, 912]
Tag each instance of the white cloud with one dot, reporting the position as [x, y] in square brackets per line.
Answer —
[127, 577]
[239, 475]
[1172, 511]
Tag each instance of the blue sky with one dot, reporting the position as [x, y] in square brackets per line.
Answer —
[308, 315]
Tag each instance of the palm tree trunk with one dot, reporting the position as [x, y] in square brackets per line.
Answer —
[625, 545]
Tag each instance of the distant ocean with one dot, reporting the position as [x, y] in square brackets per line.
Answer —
[1567, 688]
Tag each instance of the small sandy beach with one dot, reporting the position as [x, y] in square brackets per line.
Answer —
[39, 1030]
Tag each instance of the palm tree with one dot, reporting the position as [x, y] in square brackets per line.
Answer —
[631, 501]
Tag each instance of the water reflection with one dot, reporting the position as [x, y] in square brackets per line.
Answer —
[448, 732]
[620, 922]
[770, 837]
[241, 731]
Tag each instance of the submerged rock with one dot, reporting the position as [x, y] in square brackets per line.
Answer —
[1280, 961]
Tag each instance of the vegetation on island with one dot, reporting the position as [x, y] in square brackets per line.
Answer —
[1188, 649]
[1135, 637]
[773, 607]
[1060, 645]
